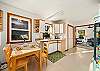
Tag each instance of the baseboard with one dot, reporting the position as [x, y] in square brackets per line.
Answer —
[67, 50]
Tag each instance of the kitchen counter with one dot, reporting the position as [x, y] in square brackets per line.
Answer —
[55, 43]
[46, 40]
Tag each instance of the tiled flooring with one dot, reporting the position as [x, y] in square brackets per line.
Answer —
[76, 59]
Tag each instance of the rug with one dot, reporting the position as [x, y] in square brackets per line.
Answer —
[55, 56]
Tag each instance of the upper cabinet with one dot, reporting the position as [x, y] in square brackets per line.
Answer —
[56, 28]
[19, 28]
[59, 28]
[1, 20]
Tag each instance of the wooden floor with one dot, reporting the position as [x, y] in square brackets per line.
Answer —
[76, 59]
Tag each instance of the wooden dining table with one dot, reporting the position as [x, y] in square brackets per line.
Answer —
[26, 53]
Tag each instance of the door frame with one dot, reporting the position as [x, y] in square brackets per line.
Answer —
[74, 35]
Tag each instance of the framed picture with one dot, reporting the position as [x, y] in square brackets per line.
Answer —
[81, 32]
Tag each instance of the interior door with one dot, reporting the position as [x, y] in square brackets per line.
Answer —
[70, 38]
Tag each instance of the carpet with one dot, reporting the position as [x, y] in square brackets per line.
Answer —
[55, 56]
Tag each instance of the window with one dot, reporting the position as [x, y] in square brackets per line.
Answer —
[17, 27]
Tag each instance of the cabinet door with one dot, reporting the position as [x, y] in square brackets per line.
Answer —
[61, 28]
[50, 48]
[54, 47]
[56, 28]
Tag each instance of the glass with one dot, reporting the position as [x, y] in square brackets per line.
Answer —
[16, 35]
[19, 24]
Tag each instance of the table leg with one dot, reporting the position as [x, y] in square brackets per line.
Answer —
[14, 65]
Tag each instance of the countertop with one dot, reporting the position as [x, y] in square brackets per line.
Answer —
[46, 40]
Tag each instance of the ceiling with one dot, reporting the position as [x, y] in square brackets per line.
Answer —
[74, 11]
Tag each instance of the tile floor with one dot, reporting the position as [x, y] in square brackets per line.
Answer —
[76, 59]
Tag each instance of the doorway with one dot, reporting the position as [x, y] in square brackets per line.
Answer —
[85, 35]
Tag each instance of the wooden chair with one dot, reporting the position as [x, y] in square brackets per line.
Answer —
[22, 62]
[44, 53]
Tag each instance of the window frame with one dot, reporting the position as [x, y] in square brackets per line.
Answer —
[9, 28]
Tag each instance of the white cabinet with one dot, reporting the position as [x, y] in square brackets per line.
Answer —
[58, 28]
[61, 28]
[50, 48]
[53, 47]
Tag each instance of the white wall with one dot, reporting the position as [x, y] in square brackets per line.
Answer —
[8, 8]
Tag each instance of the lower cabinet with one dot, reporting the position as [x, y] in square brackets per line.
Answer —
[50, 48]
[54, 47]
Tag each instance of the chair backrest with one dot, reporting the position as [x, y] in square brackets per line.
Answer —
[7, 51]
[45, 48]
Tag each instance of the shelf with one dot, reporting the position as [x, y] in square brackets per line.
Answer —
[36, 25]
